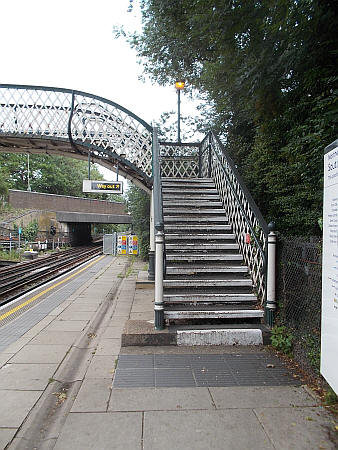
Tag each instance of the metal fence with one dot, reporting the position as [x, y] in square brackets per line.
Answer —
[299, 293]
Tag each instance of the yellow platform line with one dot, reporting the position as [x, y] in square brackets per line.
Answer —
[35, 297]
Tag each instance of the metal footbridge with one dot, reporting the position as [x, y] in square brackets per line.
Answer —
[75, 124]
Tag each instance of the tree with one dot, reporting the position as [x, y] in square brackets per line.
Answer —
[267, 73]
[48, 174]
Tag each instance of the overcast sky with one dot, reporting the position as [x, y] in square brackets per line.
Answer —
[70, 44]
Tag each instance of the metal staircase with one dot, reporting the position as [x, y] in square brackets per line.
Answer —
[213, 243]
[205, 274]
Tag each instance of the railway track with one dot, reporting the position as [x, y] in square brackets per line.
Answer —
[21, 278]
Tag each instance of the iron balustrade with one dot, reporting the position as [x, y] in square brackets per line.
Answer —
[209, 159]
[179, 160]
[247, 222]
[87, 122]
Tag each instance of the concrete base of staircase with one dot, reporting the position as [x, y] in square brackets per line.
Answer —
[143, 333]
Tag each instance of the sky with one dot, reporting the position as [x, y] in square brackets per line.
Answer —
[70, 44]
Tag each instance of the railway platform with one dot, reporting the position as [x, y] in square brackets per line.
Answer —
[67, 383]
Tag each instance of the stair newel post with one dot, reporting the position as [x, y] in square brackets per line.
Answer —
[159, 306]
[159, 234]
[151, 268]
[200, 161]
[271, 275]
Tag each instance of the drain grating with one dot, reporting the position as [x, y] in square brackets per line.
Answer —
[242, 369]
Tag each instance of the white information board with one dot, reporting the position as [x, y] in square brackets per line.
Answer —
[329, 341]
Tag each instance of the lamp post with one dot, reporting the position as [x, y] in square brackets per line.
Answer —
[179, 85]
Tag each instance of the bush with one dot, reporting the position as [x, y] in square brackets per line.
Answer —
[282, 339]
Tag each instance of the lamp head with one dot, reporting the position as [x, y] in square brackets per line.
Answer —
[179, 85]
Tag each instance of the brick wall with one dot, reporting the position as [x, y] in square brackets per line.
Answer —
[51, 202]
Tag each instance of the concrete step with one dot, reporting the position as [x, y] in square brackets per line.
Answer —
[194, 247]
[181, 269]
[189, 191]
[199, 237]
[212, 313]
[197, 283]
[179, 196]
[191, 204]
[210, 298]
[199, 227]
[200, 219]
[192, 212]
[183, 185]
[204, 257]
[186, 180]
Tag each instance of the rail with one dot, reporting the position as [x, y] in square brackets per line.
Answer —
[244, 216]
[21, 278]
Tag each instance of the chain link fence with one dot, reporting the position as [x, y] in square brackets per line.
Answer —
[299, 294]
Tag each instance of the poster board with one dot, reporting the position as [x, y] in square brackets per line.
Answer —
[329, 333]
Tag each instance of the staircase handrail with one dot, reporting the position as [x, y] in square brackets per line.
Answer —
[157, 185]
[247, 204]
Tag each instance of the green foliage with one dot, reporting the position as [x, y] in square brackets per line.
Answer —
[312, 343]
[266, 72]
[30, 231]
[138, 203]
[49, 174]
[5, 255]
[331, 397]
[281, 339]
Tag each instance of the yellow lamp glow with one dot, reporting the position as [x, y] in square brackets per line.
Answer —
[179, 85]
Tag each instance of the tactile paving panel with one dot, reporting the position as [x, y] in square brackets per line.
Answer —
[240, 369]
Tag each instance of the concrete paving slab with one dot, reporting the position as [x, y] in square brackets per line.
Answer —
[28, 377]
[93, 396]
[200, 430]
[298, 428]
[108, 347]
[17, 345]
[82, 307]
[40, 354]
[67, 325]
[15, 405]
[59, 309]
[78, 315]
[142, 316]
[260, 396]
[93, 431]
[102, 367]
[112, 333]
[6, 435]
[39, 326]
[52, 337]
[161, 399]
[5, 357]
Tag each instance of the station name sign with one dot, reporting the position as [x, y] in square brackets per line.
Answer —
[107, 187]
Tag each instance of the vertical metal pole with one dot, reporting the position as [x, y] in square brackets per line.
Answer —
[89, 165]
[159, 306]
[178, 115]
[117, 171]
[28, 175]
[271, 279]
[10, 242]
[151, 268]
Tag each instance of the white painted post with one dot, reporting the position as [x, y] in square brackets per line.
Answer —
[159, 306]
[271, 276]
[151, 268]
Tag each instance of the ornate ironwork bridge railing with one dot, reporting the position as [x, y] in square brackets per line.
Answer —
[61, 121]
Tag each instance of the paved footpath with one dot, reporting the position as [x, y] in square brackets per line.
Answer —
[61, 382]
